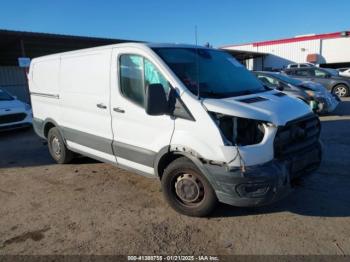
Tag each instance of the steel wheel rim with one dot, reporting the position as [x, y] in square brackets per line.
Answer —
[189, 189]
[56, 146]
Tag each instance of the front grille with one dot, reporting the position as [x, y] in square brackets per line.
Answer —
[297, 136]
[5, 119]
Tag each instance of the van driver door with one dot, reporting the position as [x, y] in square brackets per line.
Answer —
[137, 136]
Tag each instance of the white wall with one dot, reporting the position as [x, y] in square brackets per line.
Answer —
[335, 50]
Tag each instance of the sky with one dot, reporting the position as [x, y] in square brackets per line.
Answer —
[218, 22]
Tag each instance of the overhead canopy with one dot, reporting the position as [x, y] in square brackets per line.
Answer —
[14, 44]
[244, 55]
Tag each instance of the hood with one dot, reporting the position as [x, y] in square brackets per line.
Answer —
[11, 104]
[268, 106]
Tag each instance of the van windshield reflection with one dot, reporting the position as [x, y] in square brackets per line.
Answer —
[215, 74]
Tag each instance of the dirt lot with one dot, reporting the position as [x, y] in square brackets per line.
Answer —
[94, 208]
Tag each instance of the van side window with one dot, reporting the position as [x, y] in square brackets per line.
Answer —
[136, 73]
[131, 78]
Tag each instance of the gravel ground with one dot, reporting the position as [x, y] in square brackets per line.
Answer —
[93, 208]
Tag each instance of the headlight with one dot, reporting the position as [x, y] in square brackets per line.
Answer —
[239, 131]
[27, 107]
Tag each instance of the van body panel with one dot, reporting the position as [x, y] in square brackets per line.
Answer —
[261, 110]
[84, 84]
[138, 137]
[43, 81]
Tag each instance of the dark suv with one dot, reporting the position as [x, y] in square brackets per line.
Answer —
[332, 81]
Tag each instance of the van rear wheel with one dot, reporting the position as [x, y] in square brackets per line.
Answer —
[187, 190]
[58, 150]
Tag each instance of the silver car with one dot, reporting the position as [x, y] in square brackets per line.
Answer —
[314, 94]
[13, 113]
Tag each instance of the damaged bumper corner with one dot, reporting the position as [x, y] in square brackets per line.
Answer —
[260, 184]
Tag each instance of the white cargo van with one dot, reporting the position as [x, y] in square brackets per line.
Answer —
[193, 117]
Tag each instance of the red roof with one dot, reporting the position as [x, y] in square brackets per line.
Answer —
[299, 39]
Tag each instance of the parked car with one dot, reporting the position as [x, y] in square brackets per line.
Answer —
[191, 116]
[313, 94]
[336, 84]
[344, 72]
[300, 65]
[13, 113]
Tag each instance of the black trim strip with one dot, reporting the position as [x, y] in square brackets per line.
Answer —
[38, 126]
[135, 154]
[95, 142]
[132, 153]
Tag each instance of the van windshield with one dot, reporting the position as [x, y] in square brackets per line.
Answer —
[216, 73]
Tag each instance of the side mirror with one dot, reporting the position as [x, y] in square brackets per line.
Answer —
[156, 102]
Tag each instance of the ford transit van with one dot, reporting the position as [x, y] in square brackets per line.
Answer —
[193, 117]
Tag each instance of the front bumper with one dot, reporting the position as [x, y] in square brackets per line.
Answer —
[327, 104]
[26, 122]
[261, 184]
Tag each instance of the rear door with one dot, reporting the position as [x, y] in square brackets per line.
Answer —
[138, 137]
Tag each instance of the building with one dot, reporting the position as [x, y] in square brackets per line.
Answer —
[16, 47]
[327, 50]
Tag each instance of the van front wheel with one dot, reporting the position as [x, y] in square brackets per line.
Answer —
[187, 190]
[58, 150]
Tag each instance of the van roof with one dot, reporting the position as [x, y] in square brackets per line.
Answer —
[127, 44]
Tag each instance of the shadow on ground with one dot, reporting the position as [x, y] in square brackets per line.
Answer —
[23, 148]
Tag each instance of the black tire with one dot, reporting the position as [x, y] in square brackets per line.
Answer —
[58, 150]
[182, 176]
[341, 90]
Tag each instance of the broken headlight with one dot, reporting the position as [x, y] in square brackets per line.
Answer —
[239, 131]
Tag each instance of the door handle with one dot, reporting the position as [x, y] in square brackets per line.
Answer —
[118, 110]
[101, 105]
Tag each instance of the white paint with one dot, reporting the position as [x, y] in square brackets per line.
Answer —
[128, 163]
[85, 78]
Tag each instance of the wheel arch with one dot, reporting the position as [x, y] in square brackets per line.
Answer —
[50, 123]
[167, 155]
